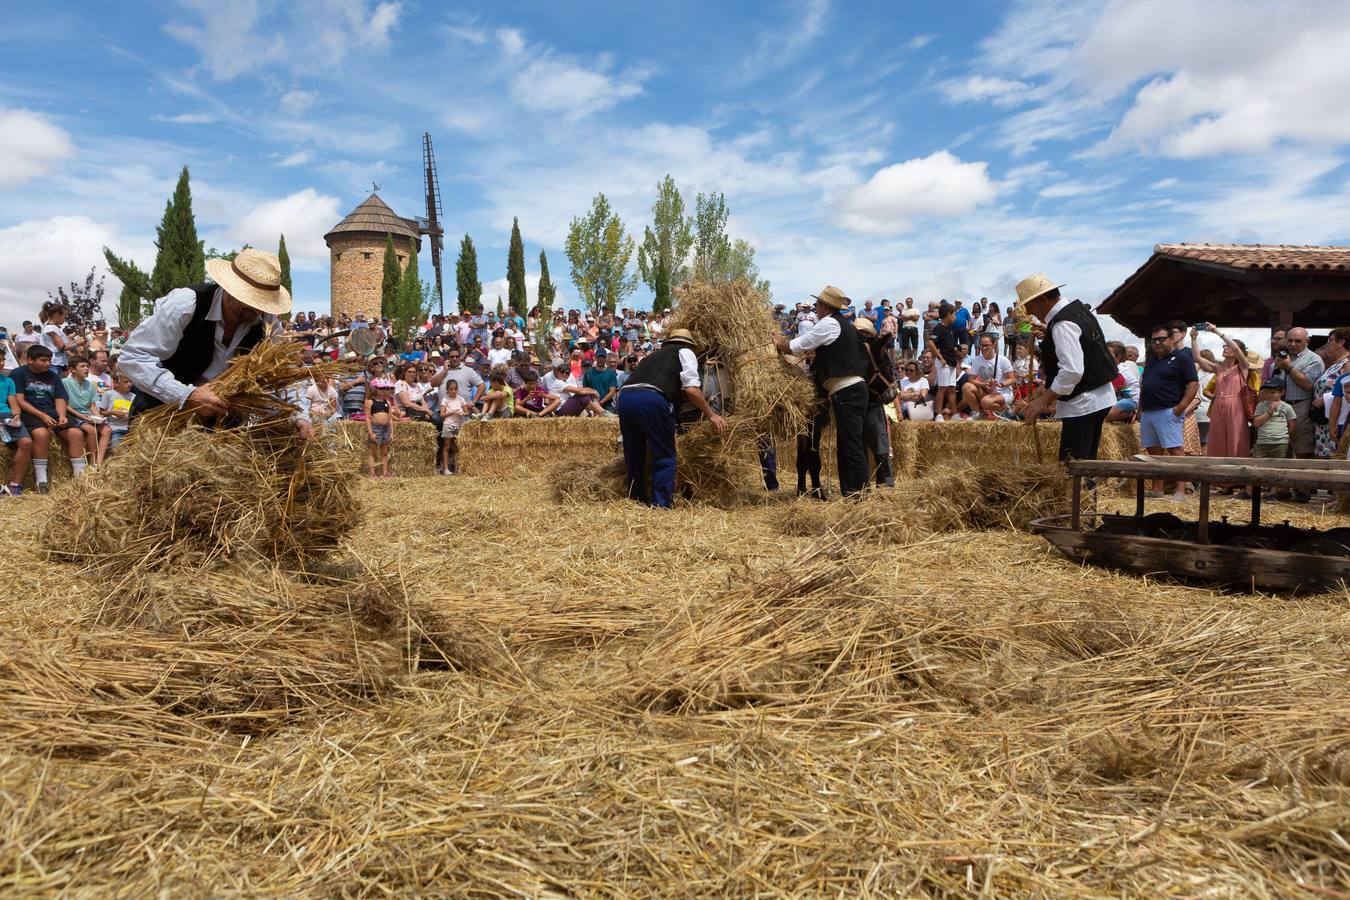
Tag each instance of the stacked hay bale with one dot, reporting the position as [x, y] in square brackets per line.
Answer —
[764, 399]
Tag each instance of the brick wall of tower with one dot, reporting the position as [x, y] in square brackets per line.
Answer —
[356, 267]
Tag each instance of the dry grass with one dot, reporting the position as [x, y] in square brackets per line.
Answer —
[633, 701]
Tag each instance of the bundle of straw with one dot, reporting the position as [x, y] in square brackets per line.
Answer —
[734, 326]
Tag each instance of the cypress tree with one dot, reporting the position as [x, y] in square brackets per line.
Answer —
[501, 310]
[407, 311]
[393, 274]
[181, 260]
[285, 259]
[515, 270]
[467, 288]
[547, 291]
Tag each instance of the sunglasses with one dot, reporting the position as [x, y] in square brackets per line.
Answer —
[1159, 340]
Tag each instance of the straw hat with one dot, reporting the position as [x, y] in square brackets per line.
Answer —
[1254, 358]
[864, 324]
[254, 279]
[832, 297]
[680, 334]
[1029, 289]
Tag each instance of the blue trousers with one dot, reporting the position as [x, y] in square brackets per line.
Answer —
[647, 423]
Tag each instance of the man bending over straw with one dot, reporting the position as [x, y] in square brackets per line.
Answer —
[195, 331]
[647, 404]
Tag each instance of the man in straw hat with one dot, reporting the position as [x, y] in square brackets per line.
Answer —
[195, 331]
[838, 371]
[1078, 367]
[647, 423]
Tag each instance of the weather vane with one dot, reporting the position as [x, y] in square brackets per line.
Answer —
[374, 187]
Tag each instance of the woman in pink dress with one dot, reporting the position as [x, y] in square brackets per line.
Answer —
[1228, 427]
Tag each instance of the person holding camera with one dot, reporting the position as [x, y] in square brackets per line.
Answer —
[1300, 368]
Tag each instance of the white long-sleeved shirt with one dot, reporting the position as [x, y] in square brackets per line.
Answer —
[157, 337]
[821, 334]
[1069, 350]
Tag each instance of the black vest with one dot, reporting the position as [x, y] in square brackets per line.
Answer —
[196, 347]
[841, 359]
[661, 370]
[1099, 367]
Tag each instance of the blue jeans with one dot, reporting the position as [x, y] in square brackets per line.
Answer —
[647, 423]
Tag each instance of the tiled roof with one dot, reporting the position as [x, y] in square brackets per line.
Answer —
[1261, 256]
[375, 217]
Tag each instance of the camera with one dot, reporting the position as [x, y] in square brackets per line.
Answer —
[1282, 354]
[1201, 326]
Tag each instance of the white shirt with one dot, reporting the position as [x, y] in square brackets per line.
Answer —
[467, 379]
[993, 370]
[919, 384]
[499, 356]
[1070, 353]
[558, 386]
[909, 316]
[58, 355]
[1130, 372]
[688, 371]
[157, 337]
[821, 334]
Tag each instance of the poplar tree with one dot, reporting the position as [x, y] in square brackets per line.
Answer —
[544, 321]
[599, 250]
[410, 302]
[393, 275]
[515, 270]
[181, 260]
[467, 287]
[664, 253]
[284, 259]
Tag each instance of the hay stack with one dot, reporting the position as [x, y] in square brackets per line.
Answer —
[735, 328]
[177, 493]
[945, 501]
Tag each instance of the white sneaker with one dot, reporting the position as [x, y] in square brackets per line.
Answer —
[938, 419]
[1177, 498]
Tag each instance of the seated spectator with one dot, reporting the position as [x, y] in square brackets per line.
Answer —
[574, 398]
[912, 396]
[322, 400]
[115, 405]
[988, 391]
[603, 380]
[82, 403]
[13, 433]
[1126, 385]
[454, 410]
[532, 400]
[498, 401]
[42, 405]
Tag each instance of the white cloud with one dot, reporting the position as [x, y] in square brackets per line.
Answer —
[551, 82]
[1067, 189]
[919, 41]
[980, 88]
[304, 217]
[783, 41]
[895, 197]
[295, 101]
[226, 39]
[298, 158]
[187, 119]
[30, 146]
[37, 255]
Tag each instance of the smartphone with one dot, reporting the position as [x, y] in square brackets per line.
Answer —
[1201, 326]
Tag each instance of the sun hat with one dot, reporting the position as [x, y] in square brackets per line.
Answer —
[680, 334]
[865, 325]
[253, 278]
[1254, 358]
[1030, 288]
[832, 297]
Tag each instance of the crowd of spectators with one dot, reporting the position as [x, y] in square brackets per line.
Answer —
[952, 362]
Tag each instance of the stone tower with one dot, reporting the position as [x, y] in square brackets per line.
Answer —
[356, 254]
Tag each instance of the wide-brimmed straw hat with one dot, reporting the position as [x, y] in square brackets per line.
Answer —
[1029, 289]
[862, 323]
[832, 297]
[681, 335]
[254, 279]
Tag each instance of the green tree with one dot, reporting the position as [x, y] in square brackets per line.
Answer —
[284, 259]
[664, 253]
[135, 289]
[501, 310]
[412, 302]
[544, 323]
[181, 260]
[391, 283]
[712, 247]
[213, 253]
[599, 251]
[468, 289]
[740, 266]
[515, 270]
[83, 302]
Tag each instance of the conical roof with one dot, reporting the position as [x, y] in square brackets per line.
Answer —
[374, 216]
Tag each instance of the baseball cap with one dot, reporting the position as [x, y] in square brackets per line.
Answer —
[602, 352]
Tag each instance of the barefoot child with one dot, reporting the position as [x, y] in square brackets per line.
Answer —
[454, 408]
[380, 424]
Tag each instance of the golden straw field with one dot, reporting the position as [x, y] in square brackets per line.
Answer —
[489, 692]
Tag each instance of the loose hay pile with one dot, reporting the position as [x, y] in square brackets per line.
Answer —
[703, 706]
[948, 500]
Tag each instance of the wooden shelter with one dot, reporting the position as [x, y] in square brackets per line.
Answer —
[1238, 285]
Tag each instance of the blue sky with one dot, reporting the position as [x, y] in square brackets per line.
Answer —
[891, 148]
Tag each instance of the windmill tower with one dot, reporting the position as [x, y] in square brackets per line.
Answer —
[431, 226]
[356, 254]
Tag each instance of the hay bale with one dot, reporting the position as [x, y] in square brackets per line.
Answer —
[411, 455]
[514, 447]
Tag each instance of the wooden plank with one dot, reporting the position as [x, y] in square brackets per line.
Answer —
[1246, 474]
[1077, 501]
[1203, 533]
[1207, 562]
[1256, 506]
[1312, 465]
[1140, 489]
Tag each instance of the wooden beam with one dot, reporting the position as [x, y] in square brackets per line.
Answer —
[1197, 471]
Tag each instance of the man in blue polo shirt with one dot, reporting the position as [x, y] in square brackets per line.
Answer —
[1166, 390]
